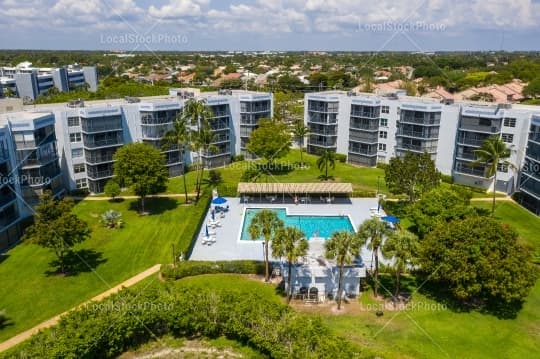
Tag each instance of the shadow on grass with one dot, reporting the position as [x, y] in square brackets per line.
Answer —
[5, 321]
[116, 200]
[80, 261]
[3, 257]
[154, 205]
[441, 293]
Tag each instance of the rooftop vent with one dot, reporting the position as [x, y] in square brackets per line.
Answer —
[351, 93]
[225, 92]
[131, 99]
[76, 103]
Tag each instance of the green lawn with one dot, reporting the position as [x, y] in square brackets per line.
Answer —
[31, 295]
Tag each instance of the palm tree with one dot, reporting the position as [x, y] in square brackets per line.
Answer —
[291, 243]
[300, 132]
[178, 136]
[372, 232]
[325, 160]
[403, 246]
[492, 153]
[265, 224]
[202, 140]
[343, 246]
[197, 115]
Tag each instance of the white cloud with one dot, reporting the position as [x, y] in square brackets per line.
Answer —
[179, 9]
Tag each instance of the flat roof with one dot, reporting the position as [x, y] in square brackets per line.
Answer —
[322, 188]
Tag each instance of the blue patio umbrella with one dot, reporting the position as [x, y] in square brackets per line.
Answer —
[390, 219]
[219, 200]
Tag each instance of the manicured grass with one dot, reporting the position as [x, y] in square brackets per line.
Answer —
[30, 294]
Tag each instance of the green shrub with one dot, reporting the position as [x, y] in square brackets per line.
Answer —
[130, 318]
[341, 157]
[193, 268]
[237, 158]
[226, 190]
[363, 194]
[382, 165]
[447, 179]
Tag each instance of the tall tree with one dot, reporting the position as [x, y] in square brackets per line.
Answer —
[479, 260]
[326, 159]
[271, 140]
[403, 246]
[372, 232]
[178, 136]
[197, 115]
[56, 227]
[491, 154]
[300, 132]
[265, 224]
[291, 243]
[413, 175]
[343, 246]
[141, 167]
[440, 205]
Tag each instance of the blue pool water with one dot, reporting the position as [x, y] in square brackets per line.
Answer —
[312, 226]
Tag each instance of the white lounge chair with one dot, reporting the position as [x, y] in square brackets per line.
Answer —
[208, 240]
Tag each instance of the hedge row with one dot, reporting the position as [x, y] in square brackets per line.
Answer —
[128, 319]
[192, 268]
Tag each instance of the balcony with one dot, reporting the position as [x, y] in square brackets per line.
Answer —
[37, 162]
[418, 134]
[419, 120]
[103, 143]
[99, 158]
[364, 137]
[364, 114]
[467, 126]
[466, 156]
[323, 131]
[416, 148]
[149, 120]
[468, 170]
[363, 152]
[534, 136]
[220, 114]
[219, 139]
[363, 126]
[7, 197]
[101, 127]
[475, 142]
[329, 143]
[93, 174]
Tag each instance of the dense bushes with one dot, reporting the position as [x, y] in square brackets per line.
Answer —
[341, 157]
[192, 268]
[363, 194]
[127, 319]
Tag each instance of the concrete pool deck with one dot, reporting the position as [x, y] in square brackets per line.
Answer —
[229, 247]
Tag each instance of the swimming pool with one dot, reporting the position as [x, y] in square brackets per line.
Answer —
[311, 225]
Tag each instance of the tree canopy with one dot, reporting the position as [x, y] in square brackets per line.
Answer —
[480, 261]
[438, 206]
[140, 167]
[413, 175]
[271, 140]
[56, 227]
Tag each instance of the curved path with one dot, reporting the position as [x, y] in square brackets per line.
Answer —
[21, 337]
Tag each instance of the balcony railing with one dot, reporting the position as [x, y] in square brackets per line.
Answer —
[366, 138]
[322, 143]
[419, 120]
[477, 142]
[104, 127]
[103, 143]
[323, 131]
[534, 136]
[418, 134]
[99, 174]
[99, 158]
[466, 155]
[468, 170]
[363, 152]
[416, 148]
[479, 128]
[364, 114]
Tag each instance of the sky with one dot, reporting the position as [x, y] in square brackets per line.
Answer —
[323, 25]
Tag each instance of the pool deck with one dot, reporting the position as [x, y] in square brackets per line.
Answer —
[229, 247]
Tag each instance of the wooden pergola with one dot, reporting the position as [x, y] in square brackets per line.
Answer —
[294, 189]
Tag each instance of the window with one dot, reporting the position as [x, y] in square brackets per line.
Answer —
[383, 134]
[382, 146]
[385, 109]
[502, 168]
[484, 122]
[509, 122]
[81, 183]
[507, 137]
[73, 121]
[75, 137]
[79, 168]
[76, 152]
[383, 122]
[381, 159]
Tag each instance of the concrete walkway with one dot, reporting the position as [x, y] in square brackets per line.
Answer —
[19, 338]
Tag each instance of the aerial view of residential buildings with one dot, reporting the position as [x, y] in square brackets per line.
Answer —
[269, 179]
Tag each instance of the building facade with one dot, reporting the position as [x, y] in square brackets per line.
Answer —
[372, 129]
[29, 82]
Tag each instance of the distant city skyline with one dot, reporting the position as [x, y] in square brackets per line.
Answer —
[281, 25]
